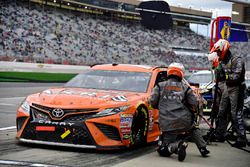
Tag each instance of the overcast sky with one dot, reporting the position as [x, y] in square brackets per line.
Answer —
[219, 7]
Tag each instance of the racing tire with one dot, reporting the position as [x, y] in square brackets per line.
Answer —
[246, 118]
[139, 127]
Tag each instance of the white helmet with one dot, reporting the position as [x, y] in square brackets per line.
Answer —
[213, 59]
[176, 69]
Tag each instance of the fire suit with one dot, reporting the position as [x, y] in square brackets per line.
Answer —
[176, 102]
[222, 101]
[234, 68]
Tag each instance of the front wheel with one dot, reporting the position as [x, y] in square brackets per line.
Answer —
[139, 127]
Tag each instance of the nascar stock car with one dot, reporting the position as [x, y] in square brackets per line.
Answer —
[104, 107]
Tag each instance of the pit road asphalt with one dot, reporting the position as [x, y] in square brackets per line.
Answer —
[11, 154]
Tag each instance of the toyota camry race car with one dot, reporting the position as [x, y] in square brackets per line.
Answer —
[105, 107]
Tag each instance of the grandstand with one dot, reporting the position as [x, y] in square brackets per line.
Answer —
[31, 32]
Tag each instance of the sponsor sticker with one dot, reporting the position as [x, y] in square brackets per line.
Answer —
[65, 134]
[126, 115]
[91, 94]
[55, 123]
[126, 136]
[40, 65]
[105, 96]
[126, 130]
[151, 120]
[126, 120]
[125, 125]
[120, 98]
[45, 128]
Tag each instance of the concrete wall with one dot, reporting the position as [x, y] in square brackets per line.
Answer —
[240, 9]
[37, 67]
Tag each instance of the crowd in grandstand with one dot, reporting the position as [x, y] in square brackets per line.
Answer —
[49, 35]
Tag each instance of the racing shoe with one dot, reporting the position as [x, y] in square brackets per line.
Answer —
[217, 138]
[163, 151]
[204, 152]
[182, 151]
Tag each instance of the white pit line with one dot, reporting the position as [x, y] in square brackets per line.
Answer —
[7, 104]
[20, 163]
[8, 128]
[9, 98]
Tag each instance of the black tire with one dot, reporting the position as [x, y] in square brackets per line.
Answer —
[139, 127]
[246, 118]
[247, 124]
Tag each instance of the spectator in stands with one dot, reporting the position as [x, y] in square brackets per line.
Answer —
[87, 40]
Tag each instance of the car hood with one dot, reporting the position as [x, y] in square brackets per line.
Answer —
[79, 98]
[207, 85]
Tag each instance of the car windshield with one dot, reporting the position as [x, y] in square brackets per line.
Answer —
[200, 78]
[111, 80]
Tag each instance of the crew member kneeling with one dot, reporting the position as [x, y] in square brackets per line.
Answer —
[175, 100]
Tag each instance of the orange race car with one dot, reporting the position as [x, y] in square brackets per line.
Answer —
[105, 107]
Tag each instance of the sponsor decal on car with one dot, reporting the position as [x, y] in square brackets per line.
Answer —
[125, 130]
[65, 134]
[104, 97]
[126, 120]
[91, 94]
[126, 136]
[125, 125]
[146, 121]
[151, 120]
[56, 123]
[45, 128]
[120, 98]
[126, 115]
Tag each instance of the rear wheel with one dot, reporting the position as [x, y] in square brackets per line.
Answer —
[139, 127]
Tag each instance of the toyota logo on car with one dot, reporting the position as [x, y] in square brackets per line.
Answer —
[58, 113]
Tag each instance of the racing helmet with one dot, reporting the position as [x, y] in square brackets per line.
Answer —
[221, 46]
[213, 59]
[176, 69]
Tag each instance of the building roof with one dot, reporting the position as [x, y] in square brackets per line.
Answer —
[181, 14]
